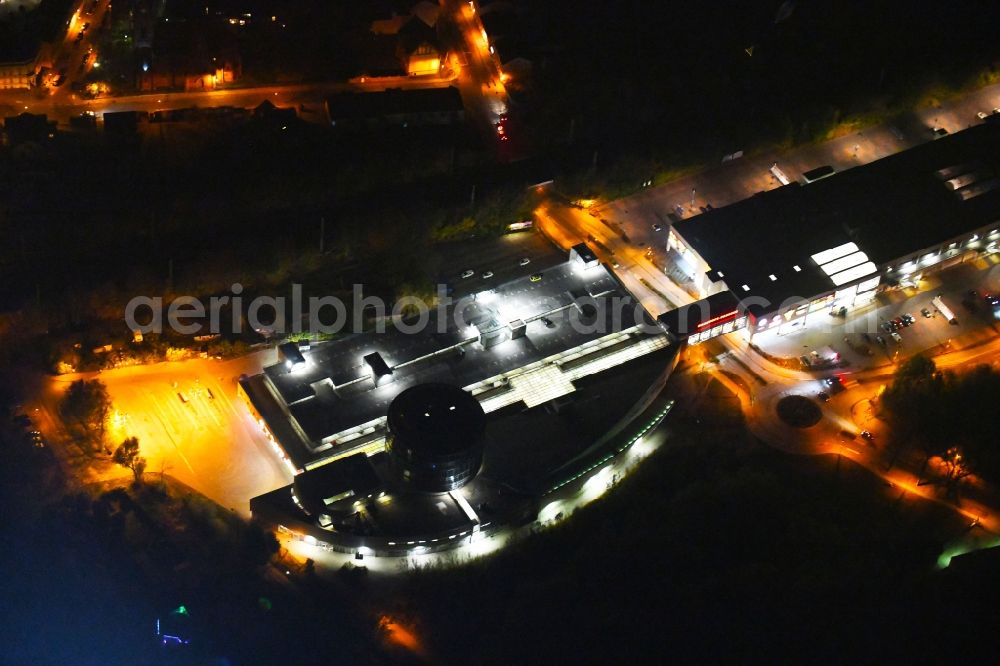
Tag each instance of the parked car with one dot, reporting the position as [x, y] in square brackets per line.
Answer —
[524, 261]
[897, 337]
[467, 274]
[982, 115]
[824, 396]
[657, 227]
[907, 319]
[536, 277]
[548, 322]
[927, 313]
[487, 275]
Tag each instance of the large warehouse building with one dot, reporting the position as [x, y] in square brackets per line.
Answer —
[406, 442]
[801, 250]
[526, 341]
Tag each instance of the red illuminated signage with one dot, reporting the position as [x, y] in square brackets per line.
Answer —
[721, 319]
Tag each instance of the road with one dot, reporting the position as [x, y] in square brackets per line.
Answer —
[847, 410]
[479, 74]
[77, 58]
[738, 179]
[975, 341]
[624, 234]
[632, 262]
[476, 72]
[312, 96]
[207, 439]
[76, 55]
[474, 68]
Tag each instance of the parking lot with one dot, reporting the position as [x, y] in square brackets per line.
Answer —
[501, 259]
[869, 337]
[191, 425]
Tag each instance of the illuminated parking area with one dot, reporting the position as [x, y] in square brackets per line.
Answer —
[191, 425]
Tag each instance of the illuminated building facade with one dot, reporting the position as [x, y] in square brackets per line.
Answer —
[797, 252]
[18, 74]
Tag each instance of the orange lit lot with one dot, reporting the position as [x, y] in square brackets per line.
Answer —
[190, 422]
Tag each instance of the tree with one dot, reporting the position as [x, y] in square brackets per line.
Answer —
[258, 544]
[127, 455]
[911, 406]
[956, 468]
[946, 414]
[87, 403]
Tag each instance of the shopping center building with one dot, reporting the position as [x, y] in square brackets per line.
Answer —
[801, 251]
[526, 341]
[423, 439]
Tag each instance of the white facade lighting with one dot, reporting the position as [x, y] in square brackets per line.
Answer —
[842, 264]
[826, 256]
[854, 273]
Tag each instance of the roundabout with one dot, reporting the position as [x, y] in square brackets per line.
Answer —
[799, 411]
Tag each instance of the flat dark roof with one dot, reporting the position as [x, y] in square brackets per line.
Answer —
[351, 474]
[28, 127]
[437, 419]
[334, 391]
[377, 364]
[890, 208]
[290, 351]
[685, 320]
[585, 252]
